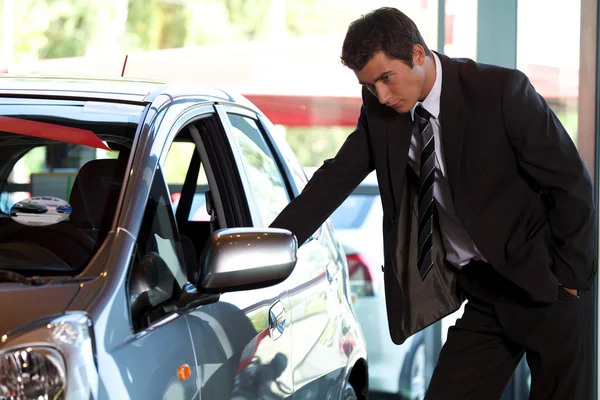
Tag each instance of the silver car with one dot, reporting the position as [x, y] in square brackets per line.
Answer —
[154, 275]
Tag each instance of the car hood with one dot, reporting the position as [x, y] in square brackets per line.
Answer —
[20, 304]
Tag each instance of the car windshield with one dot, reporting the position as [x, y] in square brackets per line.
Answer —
[62, 164]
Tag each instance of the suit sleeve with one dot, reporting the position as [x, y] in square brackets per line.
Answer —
[330, 185]
[547, 153]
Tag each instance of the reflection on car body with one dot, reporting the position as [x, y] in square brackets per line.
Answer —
[164, 281]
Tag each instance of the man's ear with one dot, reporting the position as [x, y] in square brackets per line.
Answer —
[418, 55]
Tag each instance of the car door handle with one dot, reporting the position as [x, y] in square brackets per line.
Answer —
[276, 320]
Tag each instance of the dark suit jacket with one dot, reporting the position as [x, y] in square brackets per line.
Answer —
[519, 188]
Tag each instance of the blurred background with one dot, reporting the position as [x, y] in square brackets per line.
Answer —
[284, 55]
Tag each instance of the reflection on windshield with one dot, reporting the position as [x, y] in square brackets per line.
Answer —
[44, 130]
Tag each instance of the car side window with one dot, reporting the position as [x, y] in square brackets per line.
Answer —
[175, 169]
[297, 171]
[268, 188]
[158, 274]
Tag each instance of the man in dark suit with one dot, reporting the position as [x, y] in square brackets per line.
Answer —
[485, 198]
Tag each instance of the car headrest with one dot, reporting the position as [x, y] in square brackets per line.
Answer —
[95, 193]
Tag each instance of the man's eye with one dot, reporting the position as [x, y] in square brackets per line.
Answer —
[387, 78]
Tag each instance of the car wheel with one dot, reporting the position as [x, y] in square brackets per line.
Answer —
[417, 374]
[412, 378]
[349, 393]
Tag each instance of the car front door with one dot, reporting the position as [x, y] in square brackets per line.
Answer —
[242, 341]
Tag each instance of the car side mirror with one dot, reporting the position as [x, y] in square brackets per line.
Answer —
[150, 283]
[246, 258]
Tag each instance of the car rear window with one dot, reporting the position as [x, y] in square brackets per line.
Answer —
[352, 213]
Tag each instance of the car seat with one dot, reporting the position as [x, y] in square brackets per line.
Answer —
[94, 197]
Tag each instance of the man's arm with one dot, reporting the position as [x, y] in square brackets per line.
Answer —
[547, 153]
[330, 185]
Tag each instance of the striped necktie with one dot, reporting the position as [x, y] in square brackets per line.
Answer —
[426, 181]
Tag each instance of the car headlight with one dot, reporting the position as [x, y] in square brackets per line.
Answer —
[52, 359]
[32, 373]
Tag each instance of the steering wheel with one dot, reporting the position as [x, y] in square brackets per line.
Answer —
[15, 231]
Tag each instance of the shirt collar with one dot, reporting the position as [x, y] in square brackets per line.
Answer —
[432, 101]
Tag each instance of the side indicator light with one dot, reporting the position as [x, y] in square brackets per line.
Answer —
[184, 372]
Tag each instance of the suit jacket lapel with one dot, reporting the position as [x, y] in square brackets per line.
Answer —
[453, 117]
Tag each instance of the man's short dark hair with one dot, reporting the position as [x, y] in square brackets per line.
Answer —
[386, 29]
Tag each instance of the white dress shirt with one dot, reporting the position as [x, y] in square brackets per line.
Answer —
[459, 246]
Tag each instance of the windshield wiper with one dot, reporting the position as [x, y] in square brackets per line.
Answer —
[10, 276]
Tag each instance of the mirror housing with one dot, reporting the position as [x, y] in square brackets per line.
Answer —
[246, 258]
[150, 283]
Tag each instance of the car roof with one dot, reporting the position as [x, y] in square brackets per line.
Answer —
[120, 90]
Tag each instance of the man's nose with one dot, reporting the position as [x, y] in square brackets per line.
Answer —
[382, 94]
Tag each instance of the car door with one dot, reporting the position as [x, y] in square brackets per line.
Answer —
[242, 342]
[316, 291]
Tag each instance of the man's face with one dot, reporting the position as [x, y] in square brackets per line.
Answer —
[393, 82]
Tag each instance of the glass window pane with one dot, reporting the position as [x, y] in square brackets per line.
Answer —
[554, 74]
[175, 169]
[60, 164]
[267, 185]
[158, 232]
[460, 28]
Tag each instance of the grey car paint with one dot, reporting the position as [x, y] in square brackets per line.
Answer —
[298, 338]
[37, 307]
[245, 258]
